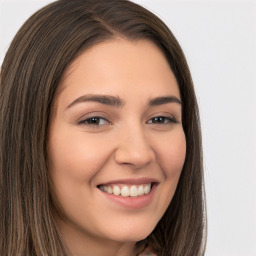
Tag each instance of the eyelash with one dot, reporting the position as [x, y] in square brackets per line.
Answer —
[95, 121]
[165, 118]
[95, 118]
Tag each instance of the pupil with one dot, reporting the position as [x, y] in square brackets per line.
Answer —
[94, 120]
[159, 119]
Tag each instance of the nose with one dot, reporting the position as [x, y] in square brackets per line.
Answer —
[134, 149]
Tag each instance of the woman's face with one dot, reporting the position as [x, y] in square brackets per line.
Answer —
[116, 144]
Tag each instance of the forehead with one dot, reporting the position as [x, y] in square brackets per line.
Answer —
[117, 66]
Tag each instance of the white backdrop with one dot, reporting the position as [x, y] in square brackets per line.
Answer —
[219, 41]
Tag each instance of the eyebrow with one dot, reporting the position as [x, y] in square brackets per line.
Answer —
[164, 100]
[116, 101]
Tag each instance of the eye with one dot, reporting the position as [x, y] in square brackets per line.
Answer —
[162, 120]
[94, 121]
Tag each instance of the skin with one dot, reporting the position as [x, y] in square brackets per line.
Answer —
[127, 142]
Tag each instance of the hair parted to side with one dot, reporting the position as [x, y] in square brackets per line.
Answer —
[31, 72]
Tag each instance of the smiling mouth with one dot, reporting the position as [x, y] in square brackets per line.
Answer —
[124, 190]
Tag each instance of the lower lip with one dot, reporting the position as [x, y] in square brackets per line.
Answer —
[131, 202]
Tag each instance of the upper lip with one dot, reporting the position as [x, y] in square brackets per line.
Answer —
[137, 181]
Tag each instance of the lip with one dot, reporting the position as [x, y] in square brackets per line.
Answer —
[131, 202]
[131, 181]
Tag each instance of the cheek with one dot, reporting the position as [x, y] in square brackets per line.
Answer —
[171, 155]
[76, 155]
[75, 159]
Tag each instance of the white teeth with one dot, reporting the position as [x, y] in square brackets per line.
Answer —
[116, 190]
[140, 190]
[125, 191]
[147, 189]
[133, 191]
[109, 190]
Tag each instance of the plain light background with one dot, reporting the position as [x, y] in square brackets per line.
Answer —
[219, 41]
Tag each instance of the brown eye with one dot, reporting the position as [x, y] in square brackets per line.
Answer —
[95, 120]
[161, 120]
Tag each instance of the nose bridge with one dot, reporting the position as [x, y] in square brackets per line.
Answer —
[134, 146]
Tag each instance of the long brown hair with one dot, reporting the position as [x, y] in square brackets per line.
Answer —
[31, 72]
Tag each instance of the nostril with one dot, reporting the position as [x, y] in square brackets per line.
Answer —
[135, 156]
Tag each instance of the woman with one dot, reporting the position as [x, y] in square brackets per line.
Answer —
[100, 136]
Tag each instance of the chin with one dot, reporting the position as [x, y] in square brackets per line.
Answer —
[131, 234]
